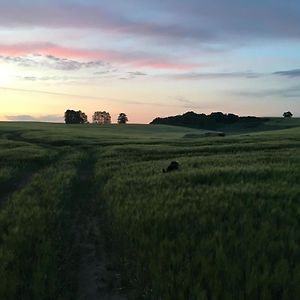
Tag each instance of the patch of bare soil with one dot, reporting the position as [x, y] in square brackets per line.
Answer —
[96, 279]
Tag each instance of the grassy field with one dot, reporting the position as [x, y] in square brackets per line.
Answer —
[225, 226]
[271, 124]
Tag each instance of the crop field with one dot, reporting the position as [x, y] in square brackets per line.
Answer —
[226, 225]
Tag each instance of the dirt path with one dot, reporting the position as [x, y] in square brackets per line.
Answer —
[96, 280]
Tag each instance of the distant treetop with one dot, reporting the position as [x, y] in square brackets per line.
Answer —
[287, 114]
[75, 117]
[101, 117]
[122, 119]
[212, 121]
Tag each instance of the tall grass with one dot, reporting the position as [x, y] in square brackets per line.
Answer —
[19, 160]
[38, 235]
[226, 226]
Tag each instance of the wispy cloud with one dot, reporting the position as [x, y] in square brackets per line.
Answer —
[70, 65]
[89, 16]
[290, 92]
[289, 73]
[203, 21]
[216, 75]
[62, 57]
[30, 118]
[137, 73]
[76, 96]
[188, 104]
[132, 75]
[29, 78]
[52, 62]
[182, 103]
[57, 78]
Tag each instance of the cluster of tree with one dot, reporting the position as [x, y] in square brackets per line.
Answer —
[212, 121]
[75, 117]
[99, 117]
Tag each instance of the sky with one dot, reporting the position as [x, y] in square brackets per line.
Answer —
[148, 58]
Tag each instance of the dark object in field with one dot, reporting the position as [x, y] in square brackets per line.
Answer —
[203, 135]
[173, 166]
[213, 134]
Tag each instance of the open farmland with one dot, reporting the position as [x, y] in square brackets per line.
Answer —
[225, 226]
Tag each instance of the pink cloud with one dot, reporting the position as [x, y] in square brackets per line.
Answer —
[135, 59]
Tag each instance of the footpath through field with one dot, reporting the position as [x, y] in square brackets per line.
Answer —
[97, 280]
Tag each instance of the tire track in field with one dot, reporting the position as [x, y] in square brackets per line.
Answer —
[20, 183]
[27, 177]
[96, 279]
[17, 186]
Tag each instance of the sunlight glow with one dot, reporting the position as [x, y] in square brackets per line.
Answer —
[6, 75]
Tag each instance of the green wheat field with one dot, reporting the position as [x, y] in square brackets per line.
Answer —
[226, 225]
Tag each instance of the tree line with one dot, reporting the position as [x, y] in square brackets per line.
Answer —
[99, 117]
[212, 121]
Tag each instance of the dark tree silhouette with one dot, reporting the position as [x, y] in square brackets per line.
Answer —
[83, 118]
[75, 117]
[287, 114]
[212, 122]
[122, 119]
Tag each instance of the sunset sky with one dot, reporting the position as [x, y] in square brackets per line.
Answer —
[148, 58]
